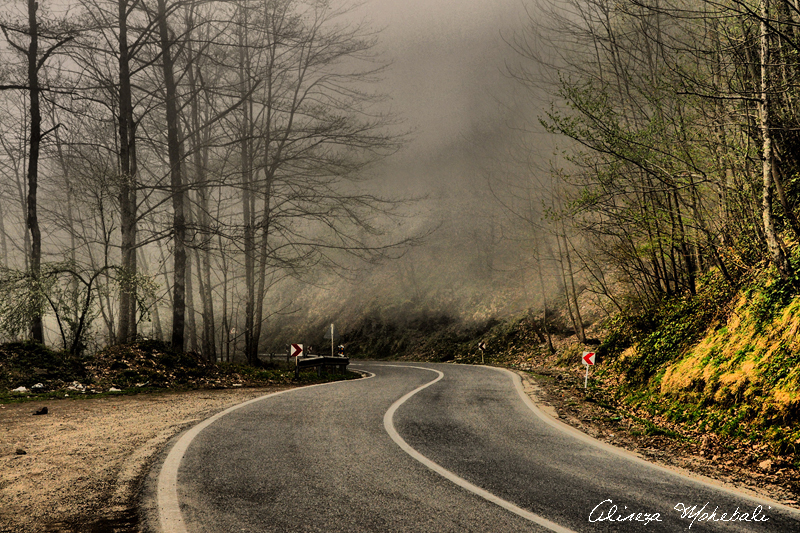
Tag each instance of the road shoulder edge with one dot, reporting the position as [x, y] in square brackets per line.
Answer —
[549, 415]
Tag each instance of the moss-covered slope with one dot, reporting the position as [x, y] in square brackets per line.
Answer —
[726, 361]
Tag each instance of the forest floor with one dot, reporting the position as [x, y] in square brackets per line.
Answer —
[749, 469]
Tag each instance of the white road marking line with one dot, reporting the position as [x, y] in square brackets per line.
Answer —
[169, 511]
[625, 454]
[450, 476]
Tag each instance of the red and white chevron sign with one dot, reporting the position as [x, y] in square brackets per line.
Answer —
[588, 358]
[297, 350]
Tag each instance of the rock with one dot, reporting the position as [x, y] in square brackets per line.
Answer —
[38, 386]
[20, 389]
[765, 465]
[20, 451]
[42, 411]
[114, 389]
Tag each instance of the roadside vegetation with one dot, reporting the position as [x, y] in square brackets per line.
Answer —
[731, 369]
[31, 371]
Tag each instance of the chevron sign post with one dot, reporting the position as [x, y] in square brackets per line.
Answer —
[588, 360]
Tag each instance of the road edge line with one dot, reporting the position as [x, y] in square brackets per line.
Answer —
[626, 454]
[170, 518]
[388, 424]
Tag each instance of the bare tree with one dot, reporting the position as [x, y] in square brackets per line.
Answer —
[35, 60]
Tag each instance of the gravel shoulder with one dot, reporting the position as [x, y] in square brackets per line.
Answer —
[83, 462]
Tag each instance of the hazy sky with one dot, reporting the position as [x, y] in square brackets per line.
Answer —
[447, 62]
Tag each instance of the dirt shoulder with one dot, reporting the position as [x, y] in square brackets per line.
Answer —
[749, 469]
[83, 461]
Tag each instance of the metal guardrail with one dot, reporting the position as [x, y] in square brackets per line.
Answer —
[321, 363]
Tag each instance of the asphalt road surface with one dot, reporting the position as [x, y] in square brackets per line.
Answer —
[427, 448]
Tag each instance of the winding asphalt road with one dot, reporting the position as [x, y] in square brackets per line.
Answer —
[424, 447]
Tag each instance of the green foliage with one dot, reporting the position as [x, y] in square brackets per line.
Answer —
[780, 365]
[624, 330]
[661, 335]
[769, 301]
[744, 421]
[652, 430]
[22, 297]
[68, 292]
[745, 375]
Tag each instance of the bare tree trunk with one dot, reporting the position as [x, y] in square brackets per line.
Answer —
[37, 327]
[191, 324]
[574, 294]
[158, 330]
[3, 244]
[225, 338]
[688, 262]
[176, 183]
[248, 204]
[127, 190]
[262, 273]
[164, 272]
[69, 219]
[545, 327]
[567, 298]
[200, 158]
[787, 208]
[209, 324]
[773, 240]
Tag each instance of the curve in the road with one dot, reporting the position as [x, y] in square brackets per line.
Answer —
[447, 474]
[169, 511]
[170, 515]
